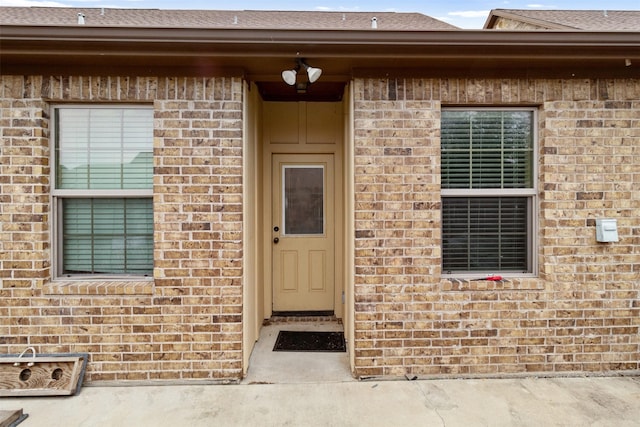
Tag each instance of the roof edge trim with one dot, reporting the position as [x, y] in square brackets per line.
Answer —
[337, 37]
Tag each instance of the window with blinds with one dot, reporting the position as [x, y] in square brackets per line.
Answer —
[487, 190]
[103, 188]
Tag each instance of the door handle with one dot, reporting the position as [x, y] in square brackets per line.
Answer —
[276, 240]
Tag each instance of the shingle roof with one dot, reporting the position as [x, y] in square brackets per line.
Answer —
[243, 19]
[593, 20]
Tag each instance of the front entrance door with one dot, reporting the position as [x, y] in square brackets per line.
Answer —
[303, 232]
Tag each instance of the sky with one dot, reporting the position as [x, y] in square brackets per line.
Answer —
[461, 13]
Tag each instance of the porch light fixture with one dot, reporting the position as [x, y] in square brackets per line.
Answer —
[313, 74]
[289, 76]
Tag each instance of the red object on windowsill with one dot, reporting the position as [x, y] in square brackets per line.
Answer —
[491, 278]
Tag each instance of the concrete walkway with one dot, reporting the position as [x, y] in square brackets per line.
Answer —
[610, 401]
[282, 367]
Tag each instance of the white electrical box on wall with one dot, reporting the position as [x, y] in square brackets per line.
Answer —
[606, 230]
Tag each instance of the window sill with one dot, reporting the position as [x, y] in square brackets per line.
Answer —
[99, 287]
[507, 284]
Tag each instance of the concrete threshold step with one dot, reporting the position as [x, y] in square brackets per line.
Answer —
[301, 317]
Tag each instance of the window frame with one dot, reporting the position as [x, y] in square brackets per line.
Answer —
[283, 197]
[530, 193]
[57, 195]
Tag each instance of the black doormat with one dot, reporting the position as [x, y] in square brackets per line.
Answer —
[310, 341]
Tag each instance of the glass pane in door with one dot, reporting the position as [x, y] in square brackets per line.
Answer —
[303, 200]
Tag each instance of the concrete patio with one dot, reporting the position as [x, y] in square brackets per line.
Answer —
[317, 389]
[487, 402]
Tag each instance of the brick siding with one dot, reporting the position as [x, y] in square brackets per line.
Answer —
[582, 312]
[184, 324]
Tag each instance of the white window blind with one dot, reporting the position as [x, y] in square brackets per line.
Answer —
[487, 188]
[108, 236]
[103, 183]
[104, 149]
[487, 149]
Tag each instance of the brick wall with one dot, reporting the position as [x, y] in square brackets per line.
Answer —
[186, 323]
[580, 314]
